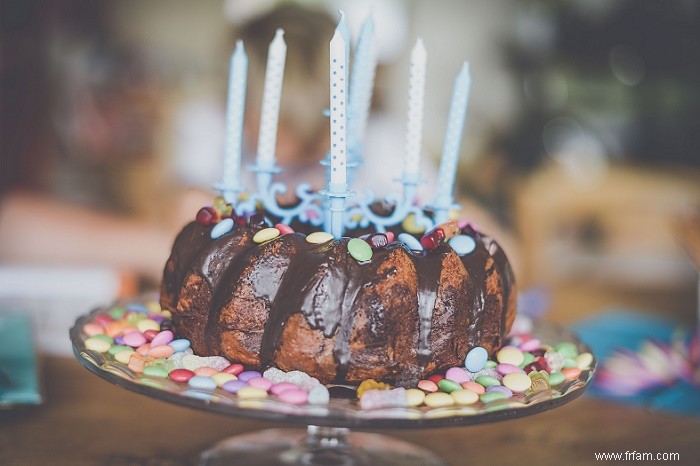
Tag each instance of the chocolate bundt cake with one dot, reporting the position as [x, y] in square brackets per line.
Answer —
[298, 305]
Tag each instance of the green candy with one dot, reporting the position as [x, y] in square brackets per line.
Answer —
[555, 378]
[487, 381]
[491, 396]
[569, 362]
[448, 386]
[117, 348]
[566, 349]
[155, 371]
[490, 364]
[104, 337]
[360, 250]
[527, 359]
[116, 313]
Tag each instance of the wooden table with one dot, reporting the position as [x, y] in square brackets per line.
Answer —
[88, 421]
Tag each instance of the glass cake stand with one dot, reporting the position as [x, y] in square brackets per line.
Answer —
[327, 438]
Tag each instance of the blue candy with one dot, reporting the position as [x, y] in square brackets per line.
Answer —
[179, 345]
[222, 228]
[462, 244]
[476, 358]
[202, 382]
[412, 243]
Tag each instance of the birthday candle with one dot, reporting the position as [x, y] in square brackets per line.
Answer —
[453, 137]
[339, 48]
[234, 119]
[361, 85]
[272, 92]
[416, 94]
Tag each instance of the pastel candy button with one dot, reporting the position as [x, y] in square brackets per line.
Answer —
[464, 397]
[251, 393]
[91, 329]
[134, 339]
[474, 387]
[517, 382]
[278, 388]
[181, 375]
[411, 243]
[247, 375]
[260, 382]
[294, 396]
[234, 386]
[510, 355]
[319, 237]
[487, 381]
[266, 234]
[319, 395]
[163, 338]
[448, 386]
[492, 396]
[555, 378]
[584, 361]
[202, 382]
[500, 388]
[505, 368]
[457, 374]
[222, 377]
[359, 250]
[179, 345]
[97, 344]
[222, 228]
[147, 324]
[428, 386]
[438, 400]
[155, 371]
[462, 244]
[476, 359]
[123, 356]
[161, 351]
[415, 397]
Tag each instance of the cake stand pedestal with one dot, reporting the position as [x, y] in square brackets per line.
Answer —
[328, 437]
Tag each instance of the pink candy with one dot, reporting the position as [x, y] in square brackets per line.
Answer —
[457, 374]
[505, 368]
[530, 345]
[284, 229]
[260, 382]
[278, 388]
[294, 396]
[475, 387]
[161, 351]
[428, 386]
[91, 329]
[134, 339]
[162, 338]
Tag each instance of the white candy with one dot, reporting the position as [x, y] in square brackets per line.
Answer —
[319, 395]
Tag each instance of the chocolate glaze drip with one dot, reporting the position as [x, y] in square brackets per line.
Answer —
[428, 269]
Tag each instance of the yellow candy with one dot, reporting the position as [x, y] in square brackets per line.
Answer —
[319, 237]
[123, 356]
[251, 393]
[223, 377]
[409, 225]
[97, 344]
[464, 397]
[266, 234]
[584, 361]
[153, 306]
[438, 400]
[147, 324]
[371, 384]
[510, 355]
[415, 397]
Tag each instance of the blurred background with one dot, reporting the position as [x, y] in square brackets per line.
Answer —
[581, 147]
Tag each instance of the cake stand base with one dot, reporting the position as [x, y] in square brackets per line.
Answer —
[317, 446]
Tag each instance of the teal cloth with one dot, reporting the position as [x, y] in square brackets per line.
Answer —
[616, 330]
[19, 383]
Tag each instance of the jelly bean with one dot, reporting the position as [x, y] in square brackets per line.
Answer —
[566, 349]
[97, 344]
[487, 381]
[492, 396]
[150, 334]
[517, 381]
[474, 387]
[266, 234]
[500, 388]
[136, 362]
[428, 386]
[438, 400]
[134, 339]
[284, 229]
[476, 358]
[205, 371]
[147, 324]
[179, 345]
[436, 377]
[144, 349]
[222, 377]
[457, 374]
[91, 329]
[114, 349]
[432, 239]
[319, 395]
[123, 356]
[202, 382]
[260, 382]
[530, 345]
[448, 386]
[415, 397]
[258, 221]
[155, 371]
[505, 368]
[462, 244]
[510, 355]
[181, 375]
[251, 393]
[555, 378]
[571, 373]
[411, 243]
[222, 228]
[584, 361]
[376, 240]
[163, 338]
[294, 396]
[234, 385]
[245, 376]
[319, 237]
[464, 397]
[359, 250]
[234, 369]
[207, 216]
[278, 388]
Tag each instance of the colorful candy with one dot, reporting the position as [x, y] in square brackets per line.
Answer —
[207, 216]
[411, 243]
[319, 237]
[464, 397]
[222, 228]
[266, 234]
[438, 400]
[462, 244]
[360, 250]
[476, 358]
[517, 381]
[457, 374]
[510, 355]
[284, 229]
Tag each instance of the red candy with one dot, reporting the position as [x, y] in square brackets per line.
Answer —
[150, 334]
[432, 239]
[233, 369]
[208, 216]
[181, 375]
[539, 364]
[435, 378]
